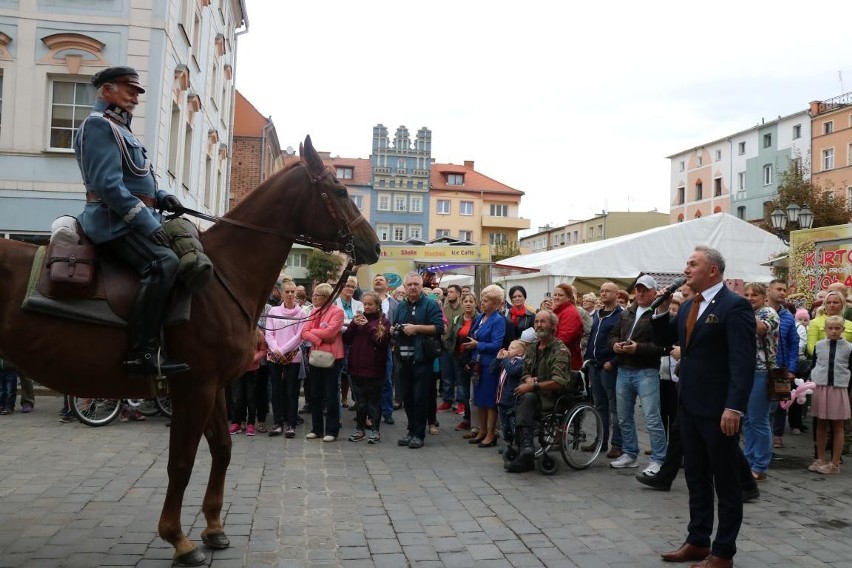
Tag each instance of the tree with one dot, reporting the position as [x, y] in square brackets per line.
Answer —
[323, 267]
[796, 186]
[505, 249]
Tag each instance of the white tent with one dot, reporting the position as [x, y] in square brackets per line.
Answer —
[658, 250]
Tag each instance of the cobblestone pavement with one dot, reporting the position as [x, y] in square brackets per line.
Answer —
[76, 496]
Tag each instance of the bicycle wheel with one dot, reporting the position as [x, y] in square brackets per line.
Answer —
[95, 411]
[582, 436]
[146, 407]
[164, 405]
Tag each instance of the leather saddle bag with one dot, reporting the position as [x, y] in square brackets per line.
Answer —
[70, 270]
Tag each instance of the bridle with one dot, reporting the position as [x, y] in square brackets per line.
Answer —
[343, 242]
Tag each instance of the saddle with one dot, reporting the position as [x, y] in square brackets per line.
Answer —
[85, 283]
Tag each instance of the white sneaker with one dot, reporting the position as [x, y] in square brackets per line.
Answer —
[624, 461]
[311, 436]
[652, 469]
[329, 438]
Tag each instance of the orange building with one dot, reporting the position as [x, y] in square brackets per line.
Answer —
[831, 145]
[468, 205]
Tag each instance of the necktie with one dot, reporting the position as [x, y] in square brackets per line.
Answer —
[693, 315]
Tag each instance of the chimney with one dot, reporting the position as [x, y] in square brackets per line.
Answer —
[468, 164]
[815, 107]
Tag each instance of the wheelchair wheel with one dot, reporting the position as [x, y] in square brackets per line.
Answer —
[95, 411]
[547, 465]
[582, 436]
[146, 407]
[547, 434]
[164, 405]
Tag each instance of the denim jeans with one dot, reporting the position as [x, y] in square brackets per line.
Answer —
[757, 434]
[387, 388]
[603, 392]
[644, 383]
[8, 389]
[449, 379]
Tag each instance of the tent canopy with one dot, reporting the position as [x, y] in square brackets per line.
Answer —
[661, 249]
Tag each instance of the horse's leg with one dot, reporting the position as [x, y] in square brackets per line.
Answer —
[219, 441]
[191, 409]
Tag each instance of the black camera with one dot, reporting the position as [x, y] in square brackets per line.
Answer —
[398, 328]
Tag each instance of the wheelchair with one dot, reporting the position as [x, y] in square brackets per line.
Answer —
[574, 426]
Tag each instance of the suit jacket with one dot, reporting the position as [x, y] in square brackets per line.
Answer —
[717, 367]
[489, 337]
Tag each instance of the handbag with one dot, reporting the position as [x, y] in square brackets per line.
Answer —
[778, 386]
[431, 347]
[321, 359]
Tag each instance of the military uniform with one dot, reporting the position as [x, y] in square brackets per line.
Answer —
[121, 193]
[116, 195]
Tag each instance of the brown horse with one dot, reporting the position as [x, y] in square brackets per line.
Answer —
[305, 203]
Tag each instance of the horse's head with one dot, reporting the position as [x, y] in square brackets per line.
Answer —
[345, 215]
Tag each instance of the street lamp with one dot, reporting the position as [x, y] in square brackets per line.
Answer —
[798, 218]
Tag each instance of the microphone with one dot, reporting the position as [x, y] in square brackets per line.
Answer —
[667, 293]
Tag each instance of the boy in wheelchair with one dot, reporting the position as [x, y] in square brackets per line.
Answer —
[547, 370]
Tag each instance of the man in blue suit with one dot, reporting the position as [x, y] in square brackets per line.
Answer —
[121, 193]
[716, 374]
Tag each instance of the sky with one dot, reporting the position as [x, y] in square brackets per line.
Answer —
[575, 104]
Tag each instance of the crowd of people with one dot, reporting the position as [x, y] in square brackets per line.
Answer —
[437, 351]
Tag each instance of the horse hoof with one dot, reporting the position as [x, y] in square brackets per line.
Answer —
[216, 541]
[192, 558]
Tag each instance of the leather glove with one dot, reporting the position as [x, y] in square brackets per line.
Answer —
[170, 203]
[159, 237]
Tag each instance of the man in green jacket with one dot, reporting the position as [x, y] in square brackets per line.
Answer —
[547, 370]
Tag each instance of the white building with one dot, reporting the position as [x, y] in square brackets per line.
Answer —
[737, 174]
[184, 51]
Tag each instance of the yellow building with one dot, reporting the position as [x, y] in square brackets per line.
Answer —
[467, 205]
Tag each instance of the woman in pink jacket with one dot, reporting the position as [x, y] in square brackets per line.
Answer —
[323, 331]
[284, 337]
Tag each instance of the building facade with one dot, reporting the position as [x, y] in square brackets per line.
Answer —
[606, 225]
[737, 174]
[473, 207]
[831, 164]
[184, 51]
[400, 183]
[256, 150]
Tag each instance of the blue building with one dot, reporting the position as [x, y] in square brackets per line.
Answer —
[400, 174]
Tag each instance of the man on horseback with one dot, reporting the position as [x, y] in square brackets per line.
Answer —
[121, 193]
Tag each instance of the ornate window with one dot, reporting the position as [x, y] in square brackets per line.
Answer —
[65, 49]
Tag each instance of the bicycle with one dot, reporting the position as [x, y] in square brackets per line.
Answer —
[97, 412]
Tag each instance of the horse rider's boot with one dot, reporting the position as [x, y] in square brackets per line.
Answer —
[146, 357]
[526, 456]
[150, 361]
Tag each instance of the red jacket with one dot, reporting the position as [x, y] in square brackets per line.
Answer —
[570, 331]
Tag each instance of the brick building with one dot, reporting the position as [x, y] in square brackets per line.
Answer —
[256, 151]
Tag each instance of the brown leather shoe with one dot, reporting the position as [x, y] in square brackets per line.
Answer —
[714, 562]
[686, 553]
[614, 452]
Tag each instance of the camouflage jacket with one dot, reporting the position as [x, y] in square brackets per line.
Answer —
[552, 363]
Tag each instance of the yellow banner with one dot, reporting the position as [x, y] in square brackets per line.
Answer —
[429, 254]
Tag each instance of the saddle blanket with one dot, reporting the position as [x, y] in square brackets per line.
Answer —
[96, 309]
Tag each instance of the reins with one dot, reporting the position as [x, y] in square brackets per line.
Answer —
[345, 242]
